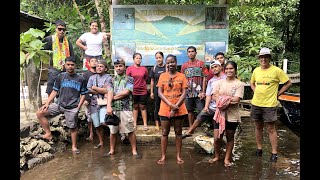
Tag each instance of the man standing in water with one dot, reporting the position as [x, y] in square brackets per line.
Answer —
[122, 107]
[265, 83]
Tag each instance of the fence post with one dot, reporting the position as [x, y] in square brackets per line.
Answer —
[285, 65]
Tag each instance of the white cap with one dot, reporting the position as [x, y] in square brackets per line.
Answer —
[215, 62]
[264, 51]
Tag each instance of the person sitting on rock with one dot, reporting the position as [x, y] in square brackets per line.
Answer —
[72, 89]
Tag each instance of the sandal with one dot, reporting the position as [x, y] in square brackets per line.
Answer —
[186, 135]
[108, 154]
[77, 151]
[40, 137]
[145, 128]
[97, 146]
[138, 156]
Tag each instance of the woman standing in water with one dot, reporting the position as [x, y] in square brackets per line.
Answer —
[227, 94]
[154, 75]
[140, 93]
[172, 87]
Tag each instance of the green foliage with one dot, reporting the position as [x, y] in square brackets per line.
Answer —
[31, 47]
[252, 24]
[257, 24]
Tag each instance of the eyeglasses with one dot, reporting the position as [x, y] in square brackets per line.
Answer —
[62, 29]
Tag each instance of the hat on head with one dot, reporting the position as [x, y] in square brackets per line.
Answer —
[119, 60]
[215, 62]
[60, 22]
[264, 51]
[103, 62]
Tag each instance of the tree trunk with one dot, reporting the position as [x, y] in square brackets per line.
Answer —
[80, 15]
[32, 81]
[99, 6]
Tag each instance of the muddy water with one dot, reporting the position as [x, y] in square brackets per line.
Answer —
[90, 164]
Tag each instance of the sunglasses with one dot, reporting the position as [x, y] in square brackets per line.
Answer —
[62, 29]
[170, 83]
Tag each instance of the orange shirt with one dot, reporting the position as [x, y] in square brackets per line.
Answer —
[173, 93]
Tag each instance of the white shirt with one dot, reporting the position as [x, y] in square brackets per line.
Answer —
[93, 43]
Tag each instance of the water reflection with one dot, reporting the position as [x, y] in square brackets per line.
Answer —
[90, 164]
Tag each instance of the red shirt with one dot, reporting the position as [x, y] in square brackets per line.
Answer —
[140, 76]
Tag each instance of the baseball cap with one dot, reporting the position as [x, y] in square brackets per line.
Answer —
[264, 51]
[60, 22]
[215, 62]
[103, 62]
[119, 61]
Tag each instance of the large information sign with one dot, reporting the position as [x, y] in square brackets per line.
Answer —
[168, 28]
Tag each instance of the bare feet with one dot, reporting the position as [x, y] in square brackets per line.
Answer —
[162, 160]
[157, 128]
[227, 163]
[179, 160]
[213, 160]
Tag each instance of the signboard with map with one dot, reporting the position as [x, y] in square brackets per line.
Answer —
[168, 28]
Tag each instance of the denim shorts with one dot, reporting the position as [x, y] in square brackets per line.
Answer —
[98, 117]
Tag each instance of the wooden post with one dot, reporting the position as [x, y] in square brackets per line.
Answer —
[285, 65]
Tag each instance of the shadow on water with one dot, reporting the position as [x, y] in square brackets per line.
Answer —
[90, 164]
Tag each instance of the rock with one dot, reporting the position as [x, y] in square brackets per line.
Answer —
[39, 159]
[22, 161]
[26, 128]
[33, 162]
[24, 132]
[205, 142]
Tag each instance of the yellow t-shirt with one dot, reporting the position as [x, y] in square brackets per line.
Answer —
[267, 84]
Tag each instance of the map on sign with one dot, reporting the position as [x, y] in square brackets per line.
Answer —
[171, 29]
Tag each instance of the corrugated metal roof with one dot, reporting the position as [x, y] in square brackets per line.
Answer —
[32, 16]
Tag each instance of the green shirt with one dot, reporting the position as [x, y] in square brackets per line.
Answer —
[120, 83]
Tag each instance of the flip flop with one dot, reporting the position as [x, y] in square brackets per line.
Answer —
[145, 128]
[40, 137]
[97, 146]
[89, 138]
[77, 151]
[108, 154]
[138, 156]
[186, 135]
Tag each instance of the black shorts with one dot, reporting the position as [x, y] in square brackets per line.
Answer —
[165, 118]
[192, 103]
[229, 125]
[205, 115]
[140, 99]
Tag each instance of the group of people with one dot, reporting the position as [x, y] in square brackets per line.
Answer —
[213, 93]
